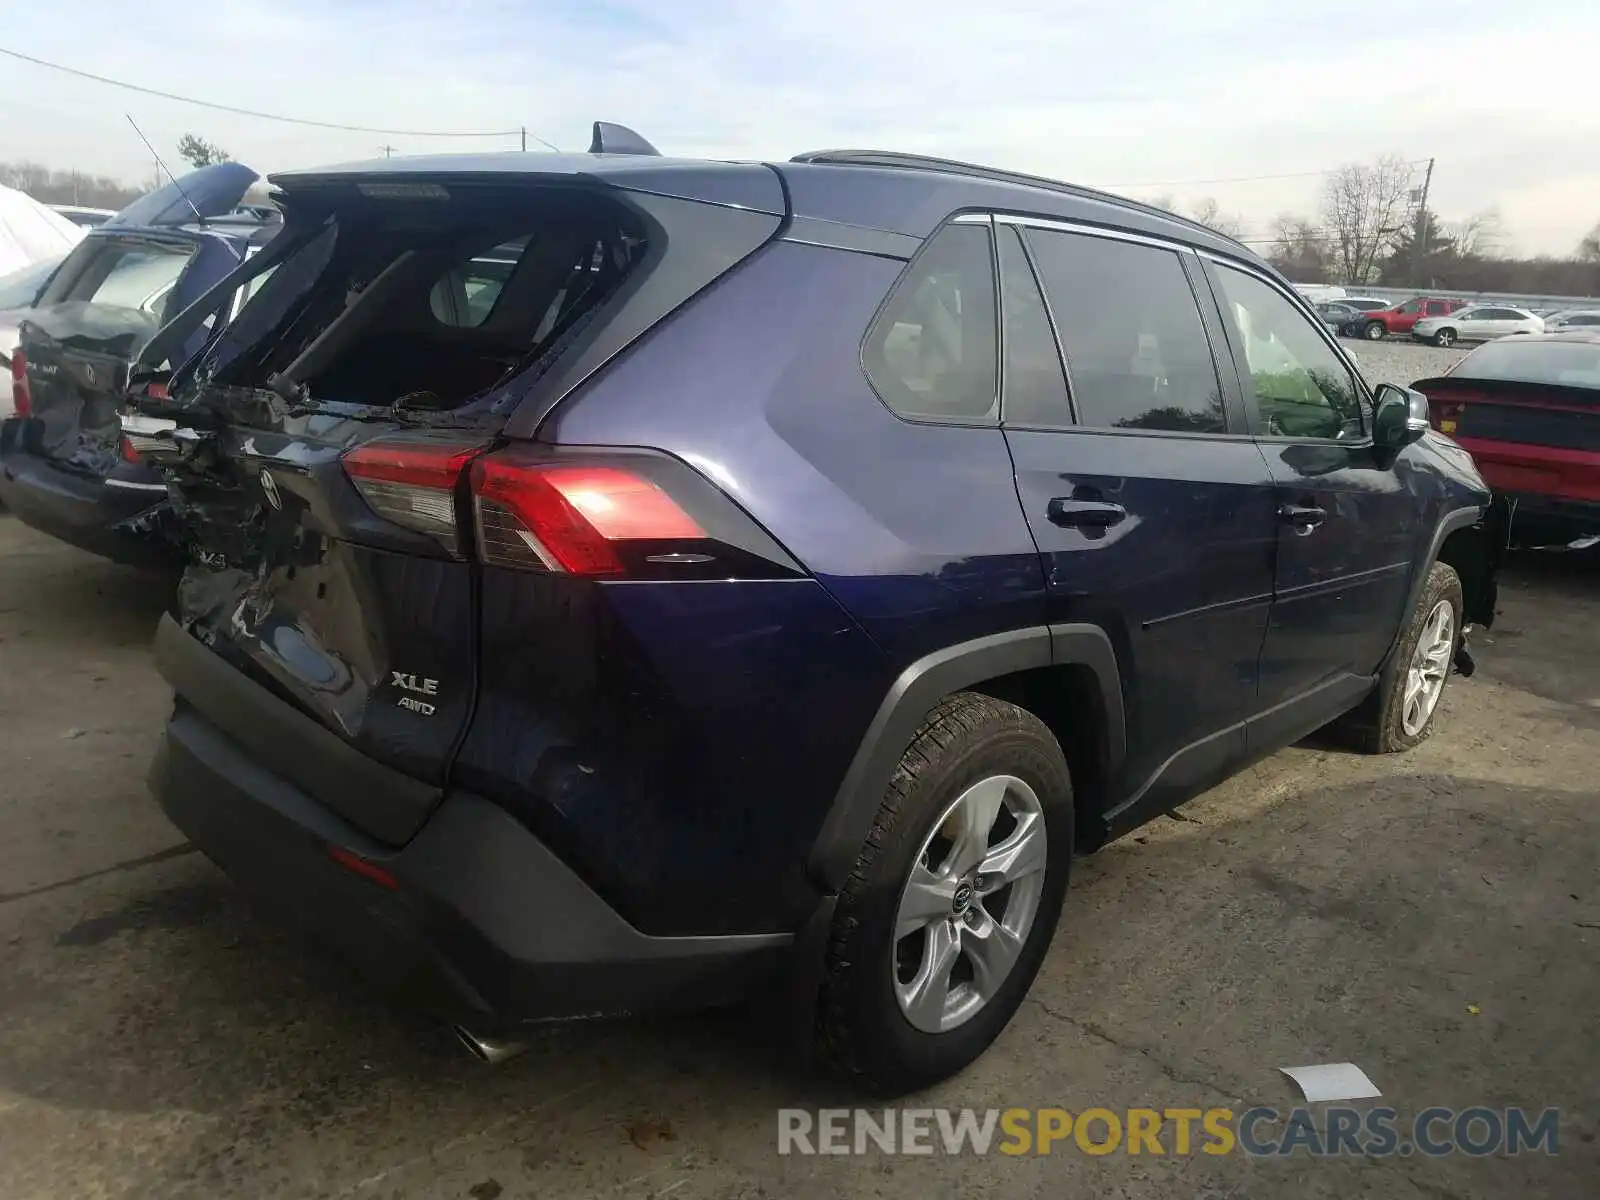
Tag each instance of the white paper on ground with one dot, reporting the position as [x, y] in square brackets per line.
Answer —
[1332, 1081]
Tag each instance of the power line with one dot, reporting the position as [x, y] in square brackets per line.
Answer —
[266, 116]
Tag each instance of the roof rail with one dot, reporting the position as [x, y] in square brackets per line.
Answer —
[924, 162]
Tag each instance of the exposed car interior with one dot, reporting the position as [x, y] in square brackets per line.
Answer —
[431, 303]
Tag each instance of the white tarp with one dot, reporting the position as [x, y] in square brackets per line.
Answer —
[30, 231]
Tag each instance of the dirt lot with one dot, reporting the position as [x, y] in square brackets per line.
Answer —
[1434, 918]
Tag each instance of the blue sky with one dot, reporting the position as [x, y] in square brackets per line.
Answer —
[1123, 93]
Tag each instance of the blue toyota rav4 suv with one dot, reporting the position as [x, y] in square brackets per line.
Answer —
[765, 573]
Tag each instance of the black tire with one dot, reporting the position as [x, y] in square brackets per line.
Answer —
[862, 1030]
[1445, 337]
[1377, 727]
[1375, 331]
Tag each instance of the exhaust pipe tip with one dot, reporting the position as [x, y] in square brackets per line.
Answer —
[491, 1050]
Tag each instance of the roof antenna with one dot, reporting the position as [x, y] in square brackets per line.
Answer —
[165, 168]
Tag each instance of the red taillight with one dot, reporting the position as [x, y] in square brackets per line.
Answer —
[21, 400]
[569, 516]
[412, 483]
[129, 454]
[367, 869]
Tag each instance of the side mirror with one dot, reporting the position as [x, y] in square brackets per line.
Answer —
[1400, 416]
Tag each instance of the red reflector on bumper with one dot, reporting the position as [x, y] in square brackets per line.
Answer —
[357, 865]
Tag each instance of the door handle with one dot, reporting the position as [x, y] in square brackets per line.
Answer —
[1084, 514]
[1302, 516]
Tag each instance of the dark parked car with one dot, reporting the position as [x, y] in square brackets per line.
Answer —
[1336, 314]
[1528, 409]
[785, 574]
[65, 467]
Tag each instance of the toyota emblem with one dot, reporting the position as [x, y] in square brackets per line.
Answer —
[269, 488]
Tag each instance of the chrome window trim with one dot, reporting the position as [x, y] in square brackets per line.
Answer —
[1100, 231]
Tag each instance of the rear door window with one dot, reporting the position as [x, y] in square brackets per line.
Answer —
[932, 352]
[1034, 385]
[1136, 350]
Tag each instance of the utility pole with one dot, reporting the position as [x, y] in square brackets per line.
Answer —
[1420, 242]
[388, 151]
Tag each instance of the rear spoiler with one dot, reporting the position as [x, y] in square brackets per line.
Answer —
[1565, 395]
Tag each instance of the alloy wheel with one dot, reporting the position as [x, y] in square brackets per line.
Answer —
[1430, 663]
[968, 906]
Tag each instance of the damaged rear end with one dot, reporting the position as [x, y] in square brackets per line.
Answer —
[336, 458]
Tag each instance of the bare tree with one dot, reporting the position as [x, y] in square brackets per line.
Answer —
[1481, 235]
[1364, 208]
[51, 186]
[1298, 249]
[1209, 213]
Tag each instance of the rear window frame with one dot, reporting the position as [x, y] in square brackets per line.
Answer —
[82, 257]
[1523, 348]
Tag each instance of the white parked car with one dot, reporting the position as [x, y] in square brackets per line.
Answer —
[1476, 323]
[1572, 318]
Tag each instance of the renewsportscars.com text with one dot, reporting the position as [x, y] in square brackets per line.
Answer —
[1259, 1132]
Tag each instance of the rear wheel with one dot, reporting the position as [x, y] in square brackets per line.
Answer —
[1445, 337]
[1375, 331]
[954, 898]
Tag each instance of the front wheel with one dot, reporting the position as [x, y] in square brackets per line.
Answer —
[952, 903]
[1445, 337]
[1400, 714]
[1375, 331]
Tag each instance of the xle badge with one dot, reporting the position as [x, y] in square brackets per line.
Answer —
[410, 683]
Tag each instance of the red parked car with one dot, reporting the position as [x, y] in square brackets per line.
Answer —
[1528, 410]
[1399, 319]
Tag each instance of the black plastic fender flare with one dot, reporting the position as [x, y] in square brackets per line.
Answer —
[917, 690]
[1461, 518]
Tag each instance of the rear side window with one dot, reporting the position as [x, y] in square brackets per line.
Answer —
[1437, 308]
[136, 275]
[1137, 353]
[932, 351]
[1302, 388]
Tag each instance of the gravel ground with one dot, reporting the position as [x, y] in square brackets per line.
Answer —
[1431, 917]
[1400, 360]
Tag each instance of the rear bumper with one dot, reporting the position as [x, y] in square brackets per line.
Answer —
[100, 516]
[482, 924]
[1553, 491]
[1551, 520]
